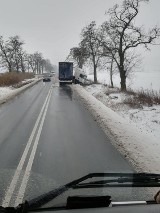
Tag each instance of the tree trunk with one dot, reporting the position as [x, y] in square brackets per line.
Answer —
[22, 65]
[9, 68]
[37, 67]
[123, 80]
[111, 74]
[80, 65]
[34, 67]
[17, 66]
[95, 70]
[95, 74]
[42, 69]
[28, 66]
[122, 72]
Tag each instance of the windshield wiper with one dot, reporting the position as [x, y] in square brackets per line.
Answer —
[124, 180]
[120, 179]
[114, 180]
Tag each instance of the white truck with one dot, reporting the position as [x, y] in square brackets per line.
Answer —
[79, 75]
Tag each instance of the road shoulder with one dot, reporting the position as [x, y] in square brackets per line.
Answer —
[128, 139]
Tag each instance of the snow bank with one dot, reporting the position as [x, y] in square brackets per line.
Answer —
[141, 150]
[146, 118]
[4, 92]
[7, 93]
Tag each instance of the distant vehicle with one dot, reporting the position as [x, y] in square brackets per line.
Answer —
[80, 76]
[47, 77]
[65, 72]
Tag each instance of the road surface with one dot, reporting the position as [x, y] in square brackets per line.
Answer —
[47, 139]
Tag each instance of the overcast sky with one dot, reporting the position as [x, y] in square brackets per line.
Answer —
[53, 26]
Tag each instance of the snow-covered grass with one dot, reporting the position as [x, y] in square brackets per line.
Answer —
[5, 91]
[134, 132]
[146, 118]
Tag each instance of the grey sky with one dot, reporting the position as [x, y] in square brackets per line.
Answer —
[53, 26]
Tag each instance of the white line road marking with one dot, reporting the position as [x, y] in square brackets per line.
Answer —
[17, 173]
[30, 162]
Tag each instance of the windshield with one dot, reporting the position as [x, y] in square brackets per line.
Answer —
[57, 126]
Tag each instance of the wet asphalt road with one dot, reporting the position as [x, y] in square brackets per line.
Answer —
[67, 143]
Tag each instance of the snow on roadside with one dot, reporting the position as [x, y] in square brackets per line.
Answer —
[146, 119]
[5, 91]
[141, 149]
[24, 82]
[29, 80]
[8, 92]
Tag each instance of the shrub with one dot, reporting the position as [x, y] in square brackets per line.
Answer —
[142, 97]
[12, 78]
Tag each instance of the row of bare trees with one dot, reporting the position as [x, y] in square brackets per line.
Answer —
[13, 57]
[115, 42]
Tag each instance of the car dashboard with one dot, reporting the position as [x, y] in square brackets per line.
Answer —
[153, 208]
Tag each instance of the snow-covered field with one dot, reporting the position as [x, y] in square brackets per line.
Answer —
[132, 137]
[136, 81]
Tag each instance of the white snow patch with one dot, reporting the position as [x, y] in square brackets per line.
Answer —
[5, 91]
[138, 146]
[8, 92]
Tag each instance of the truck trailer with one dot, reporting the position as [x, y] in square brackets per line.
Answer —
[65, 73]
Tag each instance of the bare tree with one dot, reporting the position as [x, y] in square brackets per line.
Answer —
[35, 62]
[31, 63]
[79, 55]
[23, 61]
[6, 55]
[38, 62]
[15, 49]
[108, 64]
[92, 45]
[15, 58]
[121, 36]
[12, 54]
